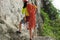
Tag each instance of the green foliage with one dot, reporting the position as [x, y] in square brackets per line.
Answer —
[50, 9]
[51, 20]
[56, 28]
[51, 27]
[47, 29]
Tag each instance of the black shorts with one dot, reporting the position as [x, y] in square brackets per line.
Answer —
[27, 18]
[23, 21]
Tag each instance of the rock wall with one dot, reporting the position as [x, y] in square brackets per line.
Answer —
[11, 10]
[10, 16]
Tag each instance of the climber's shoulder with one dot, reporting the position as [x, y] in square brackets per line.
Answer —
[23, 10]
[30, 4]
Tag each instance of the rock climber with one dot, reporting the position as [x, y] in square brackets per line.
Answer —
[30, 17]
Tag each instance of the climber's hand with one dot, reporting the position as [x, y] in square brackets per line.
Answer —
[25, 18]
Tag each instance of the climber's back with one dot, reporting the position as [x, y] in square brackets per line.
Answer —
[31, 9]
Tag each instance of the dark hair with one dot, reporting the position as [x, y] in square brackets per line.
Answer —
[25, 4]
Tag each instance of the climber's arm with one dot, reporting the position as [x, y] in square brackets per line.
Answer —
[24, 13]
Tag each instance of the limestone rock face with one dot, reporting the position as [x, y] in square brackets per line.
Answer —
[10, 16]
[10, 10]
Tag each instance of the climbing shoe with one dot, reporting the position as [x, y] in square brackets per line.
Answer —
[18, 32]
[30, 39]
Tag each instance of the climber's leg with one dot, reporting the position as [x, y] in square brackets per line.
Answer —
[19, 31]
[20, 27]
[22, 22]
[27, 25]
[27, 22]
[31, 33]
